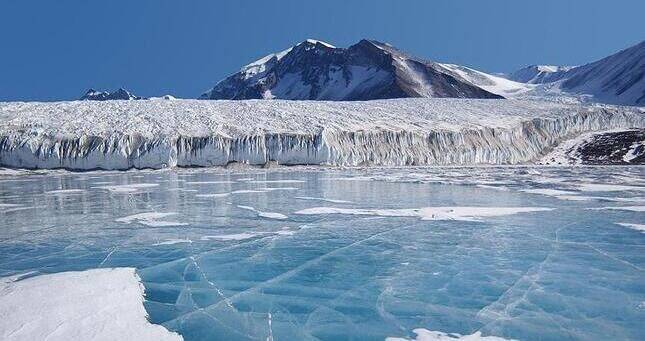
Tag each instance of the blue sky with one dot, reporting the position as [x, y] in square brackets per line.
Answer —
[53, 50]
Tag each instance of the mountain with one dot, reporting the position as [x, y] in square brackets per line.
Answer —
[539, 74]
[120, 94]
[368, 70]
[616, 79]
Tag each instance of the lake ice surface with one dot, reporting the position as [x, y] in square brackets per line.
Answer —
[294, 254]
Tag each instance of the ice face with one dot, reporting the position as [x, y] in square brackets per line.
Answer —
[417, 253]
[412, 131]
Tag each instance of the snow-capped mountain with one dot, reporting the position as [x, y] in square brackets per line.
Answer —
[616, 79]
[367, 70]
[120, 94]
[539, 74]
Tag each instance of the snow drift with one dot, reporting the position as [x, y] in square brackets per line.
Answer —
[82, 135]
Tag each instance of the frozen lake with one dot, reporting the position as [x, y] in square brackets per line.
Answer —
[530, 253]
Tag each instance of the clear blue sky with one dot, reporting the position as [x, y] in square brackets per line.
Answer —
[57, 49]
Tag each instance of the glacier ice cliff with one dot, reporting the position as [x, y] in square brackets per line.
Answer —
[83, 135]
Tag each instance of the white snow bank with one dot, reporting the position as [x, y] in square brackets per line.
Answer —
[99, 304]
[430, 335]
[463, 213]
[413, 131]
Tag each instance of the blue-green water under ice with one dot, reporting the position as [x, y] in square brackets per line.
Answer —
[224, 255]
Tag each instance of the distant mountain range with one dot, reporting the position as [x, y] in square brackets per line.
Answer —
[120, 94]
[617, 79]
[367, 70]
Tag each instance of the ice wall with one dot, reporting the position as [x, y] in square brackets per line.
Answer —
[519, 140]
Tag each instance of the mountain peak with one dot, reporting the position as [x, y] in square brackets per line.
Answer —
[369, 69]
[538, 74]
[318, 42]
[119, 94]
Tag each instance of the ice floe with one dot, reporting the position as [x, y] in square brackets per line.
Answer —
[99, 304]
[608, 188]
[126, 189]
[269, 215]
[334, 201]
[637, 227]
[65, 191]
[150, 219]
[286, 181]
[213, 195]
[236, 236]
[621, 208]
[173, 242]
[548, 191]
[463, 213]
[209, 182]
[430, 335]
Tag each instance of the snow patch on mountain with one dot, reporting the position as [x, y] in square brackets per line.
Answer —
[539, 74]
[497, 85]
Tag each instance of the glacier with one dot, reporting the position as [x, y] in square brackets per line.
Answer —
[119, 135]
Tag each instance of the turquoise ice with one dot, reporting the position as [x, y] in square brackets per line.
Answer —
[295, 254]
